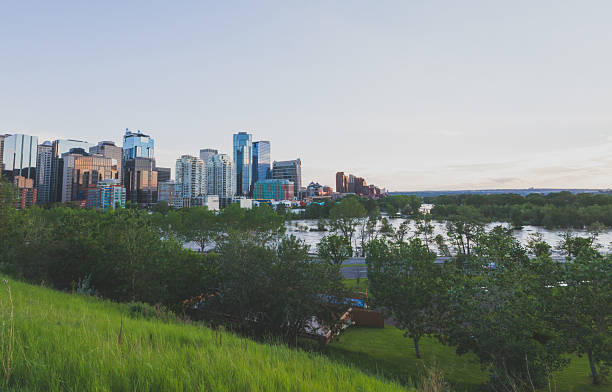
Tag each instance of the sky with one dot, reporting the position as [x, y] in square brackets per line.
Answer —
[410, 95]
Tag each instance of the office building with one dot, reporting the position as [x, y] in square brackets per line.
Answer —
[137, 145]
[163, 174]
[341, 183]
[82, 171]
[139, 175]
[59, 148]
[243, 162]
[289, 170]
[261, 161]
[206, 153]
[140, 181]
[108, 149]
[19, 157]
[26, 192]
[169, 191]
[190, 178]
[274, 189]
[221, 176]
[2, 152]
[44, 158]
[106, 194]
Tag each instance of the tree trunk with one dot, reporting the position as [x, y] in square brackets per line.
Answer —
[593, 368]
[416, 347]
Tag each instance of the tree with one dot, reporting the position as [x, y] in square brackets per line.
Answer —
[199, 224]
[537, 246]
[424, 227]
[334, 249]
[586, 301]
[345, 217]
[405, 281]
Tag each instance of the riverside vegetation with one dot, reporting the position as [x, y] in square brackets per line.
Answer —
[519, 313]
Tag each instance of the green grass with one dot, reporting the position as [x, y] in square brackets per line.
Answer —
[353, 265]
[65, 342]
[352, 284]
[388, 353]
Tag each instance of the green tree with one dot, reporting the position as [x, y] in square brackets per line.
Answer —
[345, 217]
[334, 249]
[405, 281]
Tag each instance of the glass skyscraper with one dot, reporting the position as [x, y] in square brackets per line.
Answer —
[137, 145]
[19, 156]
[59, 148]
[261, 161]
[243, 162]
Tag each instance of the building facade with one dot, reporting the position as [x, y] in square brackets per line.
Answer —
[261, 161]
[243, 162]
[289, 170]
[19, 157]
[163, 174]
[168, 192]
[137, 145]
[106, 194]
[221, 176]
[82, 171]
[140, 181]
[274, 189]
[190, 178]
[108, 149]
[59, 148]
[44, 158]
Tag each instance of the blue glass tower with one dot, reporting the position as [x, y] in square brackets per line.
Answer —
[243, 158]
[19, 156]
[137, 145]
[261, 161]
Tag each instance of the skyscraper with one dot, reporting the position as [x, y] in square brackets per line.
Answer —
[81, 171]
[190, 178]
[2, 152]
[108, 149]
[163, 174]
[139, 175]
[60, 147]
[19, 157]
[137, 145]
[243, 157]
[261, 161]
[341, 182]
[44, 158]
[221, 176]
[206, 153]
[289, 170]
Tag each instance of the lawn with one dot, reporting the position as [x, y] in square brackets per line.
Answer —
[386, 352]
[67, 342]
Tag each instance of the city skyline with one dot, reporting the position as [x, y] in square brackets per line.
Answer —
[409, 96]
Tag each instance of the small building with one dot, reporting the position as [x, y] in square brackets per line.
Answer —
[276, 189]
[106, 194]
[209, 201]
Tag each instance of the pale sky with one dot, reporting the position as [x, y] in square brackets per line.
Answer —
[411, 95]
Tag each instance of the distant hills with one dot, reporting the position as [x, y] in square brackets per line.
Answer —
[522, 192]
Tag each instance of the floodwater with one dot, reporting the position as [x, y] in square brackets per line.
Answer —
[301, 229]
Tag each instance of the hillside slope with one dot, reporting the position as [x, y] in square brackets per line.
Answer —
[71, 343]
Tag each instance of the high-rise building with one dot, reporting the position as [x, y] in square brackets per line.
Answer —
[139, 175]
[26, 191]
[163, 174]
[341, 182]
[44, 158]
[221, 176]
[289, 170]
[261, 161]
[108, 149]
[106, 194]
[137, 145]
[206, 153]
[274, 189]
[2, 152]
[190, 178]
[243, 161]
[81, 171]
[59, 148]
[140, 180]
[169, 192]
[19, 157]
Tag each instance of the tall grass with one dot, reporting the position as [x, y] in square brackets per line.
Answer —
[64, 342]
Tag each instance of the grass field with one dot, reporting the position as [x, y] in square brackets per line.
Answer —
[386, 352]
[65, 342]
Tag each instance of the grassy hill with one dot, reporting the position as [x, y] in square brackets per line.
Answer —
[73, 343]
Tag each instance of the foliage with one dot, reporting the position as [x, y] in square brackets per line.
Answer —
[334, 249]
